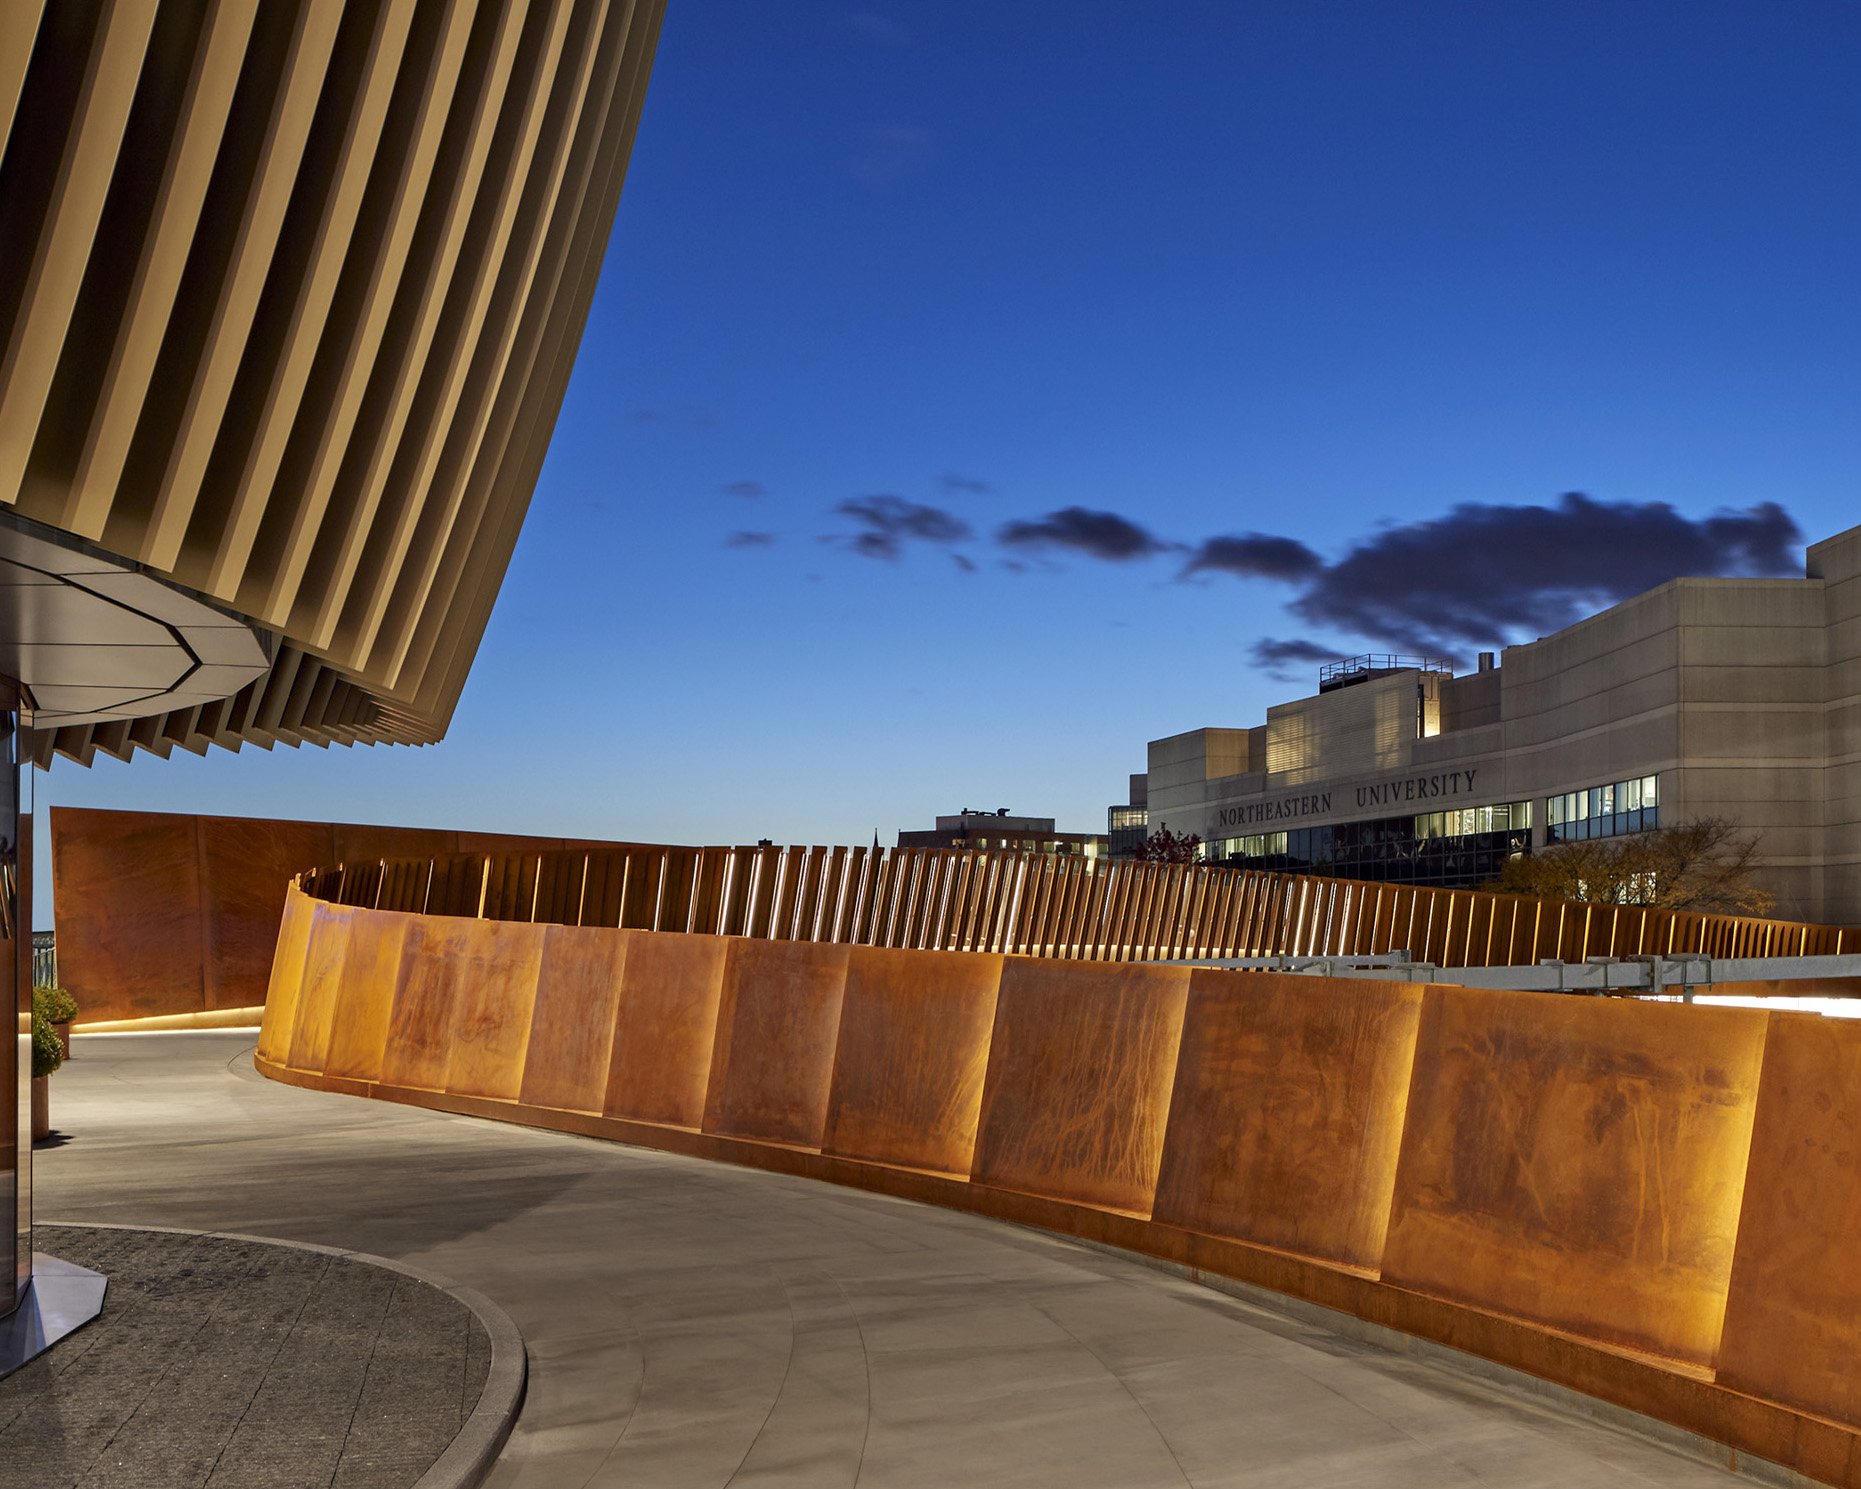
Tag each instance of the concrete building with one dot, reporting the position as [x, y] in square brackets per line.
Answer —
[1735, 698]
[289, 298]
[1127, 825]
[1000, 829]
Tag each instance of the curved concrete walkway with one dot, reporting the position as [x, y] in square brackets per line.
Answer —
[693, 1325]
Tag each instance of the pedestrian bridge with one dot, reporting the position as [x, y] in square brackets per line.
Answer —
[1648, 1203]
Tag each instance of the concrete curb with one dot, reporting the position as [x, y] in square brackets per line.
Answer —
[468, 1458]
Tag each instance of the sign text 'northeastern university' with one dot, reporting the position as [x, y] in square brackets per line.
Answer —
[1382, 794]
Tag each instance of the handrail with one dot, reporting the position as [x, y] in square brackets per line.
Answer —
[1041, 904]
[1379, 661]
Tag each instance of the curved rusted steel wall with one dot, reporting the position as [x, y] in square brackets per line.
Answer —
[1040, 904]
[163, 913]
[1653, 1203]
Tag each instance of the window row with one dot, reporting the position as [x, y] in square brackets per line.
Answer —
[1389, 850]
[1463, 846]
[1604, 811]
[1461, 822]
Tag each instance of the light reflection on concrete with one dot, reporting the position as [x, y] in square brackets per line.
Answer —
[691, 1324]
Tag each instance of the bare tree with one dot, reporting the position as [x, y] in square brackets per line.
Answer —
[1706, 865]
[1164, 846]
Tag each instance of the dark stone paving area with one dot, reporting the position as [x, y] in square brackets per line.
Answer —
[240, 1365]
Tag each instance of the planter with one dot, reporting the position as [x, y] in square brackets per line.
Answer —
[63, 1031]
[41, 1107]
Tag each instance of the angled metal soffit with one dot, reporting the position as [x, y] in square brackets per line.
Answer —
[289, 298]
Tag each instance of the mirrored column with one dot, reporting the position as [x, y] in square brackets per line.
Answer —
[16, 992]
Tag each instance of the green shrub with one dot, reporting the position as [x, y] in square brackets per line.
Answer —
[54, 1005]
[47, 1053]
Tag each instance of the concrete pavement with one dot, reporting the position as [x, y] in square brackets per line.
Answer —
[692, 1325]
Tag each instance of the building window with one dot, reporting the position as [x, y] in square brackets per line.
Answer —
[1604, 811]
[1449, 850]
[1462, 822]
[1127, 828]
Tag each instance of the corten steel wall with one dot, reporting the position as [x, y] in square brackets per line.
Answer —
[1037, 904]
[162, 913]
[1653, 1203]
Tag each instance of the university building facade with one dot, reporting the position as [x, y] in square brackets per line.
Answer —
[1733, 698]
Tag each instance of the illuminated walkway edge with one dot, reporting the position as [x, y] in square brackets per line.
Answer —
[1624, 1198]
[1645, 1385]
[694, 1323]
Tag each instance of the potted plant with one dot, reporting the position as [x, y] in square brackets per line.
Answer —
[59, 1009]
[47, 1055]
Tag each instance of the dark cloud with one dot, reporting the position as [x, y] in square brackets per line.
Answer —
[1254, 556]
[749, 540]
[1486, 573]
[1276, 655]
[889, 522]
[1103, 535]
[966, 484]
[963, 562]
[746, 488]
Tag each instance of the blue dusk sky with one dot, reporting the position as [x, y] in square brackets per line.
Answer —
[977, 391]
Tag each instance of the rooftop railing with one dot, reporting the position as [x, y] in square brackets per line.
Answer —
[1379, 661]
[1040, 904]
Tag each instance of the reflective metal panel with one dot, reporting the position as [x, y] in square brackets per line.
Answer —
[16, 991]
